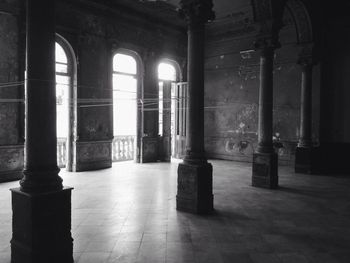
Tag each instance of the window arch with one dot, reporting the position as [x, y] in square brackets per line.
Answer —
[66, 102]
[124, 94]
[62, 93]
[169, 75]
[166, 71]
[126, 113]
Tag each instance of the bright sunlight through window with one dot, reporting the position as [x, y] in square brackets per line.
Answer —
[124, 95]
[166, 71]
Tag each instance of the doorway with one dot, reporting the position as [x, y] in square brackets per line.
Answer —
[172, 112]
[125, 111]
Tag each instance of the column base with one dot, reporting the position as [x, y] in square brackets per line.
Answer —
[41, 227]
[265, 170]
[195, 188]
[303, 160]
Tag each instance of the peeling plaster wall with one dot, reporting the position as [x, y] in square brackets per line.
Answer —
[232, 90]
[11, 137]
[96, 35]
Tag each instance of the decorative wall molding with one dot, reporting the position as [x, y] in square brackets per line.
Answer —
[92, 155]
[302, 21]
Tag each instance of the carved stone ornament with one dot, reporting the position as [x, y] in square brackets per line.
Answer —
[306, 56]
[200, 11]
[268, 14]
[267, 42]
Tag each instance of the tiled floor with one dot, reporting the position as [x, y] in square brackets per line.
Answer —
[127, 214]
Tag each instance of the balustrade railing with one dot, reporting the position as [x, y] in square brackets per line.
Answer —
[123, 148]
[61, 152]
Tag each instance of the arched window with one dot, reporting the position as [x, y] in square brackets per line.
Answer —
[62, 92]
[64, 82]
[168, 107]
[167, 72]
[166, 76]
[125, 83]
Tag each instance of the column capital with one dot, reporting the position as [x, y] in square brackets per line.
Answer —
[306, 61]
[197, 11]
[266, 44]
[306, 55]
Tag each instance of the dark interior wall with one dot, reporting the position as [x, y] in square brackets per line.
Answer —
[336, 82]
[9, 72]
[232, 90]
[11, 131]
[335, 93]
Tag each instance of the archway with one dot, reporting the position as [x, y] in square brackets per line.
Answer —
[171, 109]
[66, 103]
[126, 87]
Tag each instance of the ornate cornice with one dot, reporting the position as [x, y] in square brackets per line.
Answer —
[197, 11]
[268, 15]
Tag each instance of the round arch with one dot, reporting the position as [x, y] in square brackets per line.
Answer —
[302, 21]
[72, 101]
[176, 65]
[139, 95]
[171, 98]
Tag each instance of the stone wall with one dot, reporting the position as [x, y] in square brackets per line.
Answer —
[95, 33]
[11, 88]
[232, 90]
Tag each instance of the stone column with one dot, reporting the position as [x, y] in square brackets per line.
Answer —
[303, 155]
[194, 193]
[265, 160]
[166, 143]
[41, 206]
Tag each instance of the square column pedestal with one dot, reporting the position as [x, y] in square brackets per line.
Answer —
[265, 170]
[195, 188]
[304, 159]
[41, 227]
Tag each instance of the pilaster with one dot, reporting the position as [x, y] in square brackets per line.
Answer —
[265, 160]
[304, 152]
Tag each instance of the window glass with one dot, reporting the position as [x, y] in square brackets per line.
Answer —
[166, 71]
[61, 56]
[124, 64]
[124, 95]
[61, 68]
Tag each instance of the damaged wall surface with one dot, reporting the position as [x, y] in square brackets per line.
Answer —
[232, 90]
[95, 33]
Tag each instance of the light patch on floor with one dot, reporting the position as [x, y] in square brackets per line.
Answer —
[127, 214]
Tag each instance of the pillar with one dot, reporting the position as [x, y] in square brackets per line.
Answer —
[194, 191]
[303, 154]
[165, 152]
[41, 206]
[265, 160]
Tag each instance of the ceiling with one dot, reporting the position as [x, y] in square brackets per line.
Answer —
[222, 8]
[165, 11]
